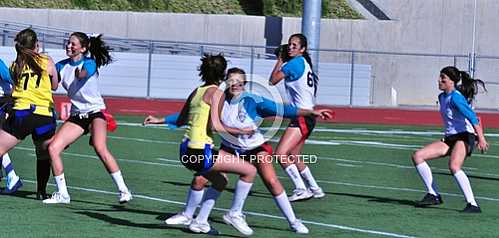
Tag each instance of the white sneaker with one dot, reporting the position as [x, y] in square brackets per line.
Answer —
[317, 192]
[125, 197]
[199, 227]
[179, 219]
[238, 221]
[300, 194]
[57, 198]
[298, 227]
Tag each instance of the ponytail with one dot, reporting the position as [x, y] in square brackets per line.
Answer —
[98, 49]
[26, 41]
[469, 86]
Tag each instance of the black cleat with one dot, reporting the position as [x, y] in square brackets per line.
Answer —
[41, 195]
[471, 209]
[429, 199]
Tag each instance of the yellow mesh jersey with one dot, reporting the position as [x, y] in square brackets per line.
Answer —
[33, 89]
[199, 115]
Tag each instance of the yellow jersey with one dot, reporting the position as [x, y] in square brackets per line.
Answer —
[33, 89]
[198, 130]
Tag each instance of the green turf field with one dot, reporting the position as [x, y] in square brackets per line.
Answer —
[365, 170]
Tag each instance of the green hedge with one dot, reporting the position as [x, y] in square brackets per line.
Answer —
[330, 9]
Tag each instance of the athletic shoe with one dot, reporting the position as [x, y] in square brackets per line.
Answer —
[125, 197]
[57, 198]
[13, 184]
[179, 219]
[317, 192]
[199, 227]
[238, 221]
[429, 199]
[41, 195]
[471, 209]
[298, 227]
[300, 194]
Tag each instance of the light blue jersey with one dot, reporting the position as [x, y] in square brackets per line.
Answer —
[456, 113]
[84, 93]
[5, 80]
[248, 111]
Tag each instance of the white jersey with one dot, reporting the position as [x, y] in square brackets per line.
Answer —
[248, 111]
[84, 93]
[301, 82]
[236, 115]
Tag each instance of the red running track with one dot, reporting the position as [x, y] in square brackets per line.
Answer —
[388, 116]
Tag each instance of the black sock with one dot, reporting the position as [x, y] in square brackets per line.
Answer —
[42, 175]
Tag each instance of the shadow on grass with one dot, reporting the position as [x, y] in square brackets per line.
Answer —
[404, 202]
[252, 193]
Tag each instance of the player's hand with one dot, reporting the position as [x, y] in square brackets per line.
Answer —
[152, 120]
[248, 131]
[325, 114]
[482, 145]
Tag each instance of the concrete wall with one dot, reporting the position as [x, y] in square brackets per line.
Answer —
[420, 26]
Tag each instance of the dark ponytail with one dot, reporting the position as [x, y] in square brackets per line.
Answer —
[468, 87]
[26, 41]
[98, 49]
[304, 44]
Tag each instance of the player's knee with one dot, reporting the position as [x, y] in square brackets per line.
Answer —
[454, 168]
[100, 149]
[54, 148]
[198, 183]
[417, 157]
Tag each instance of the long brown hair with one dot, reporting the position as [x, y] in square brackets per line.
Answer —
[26, 43]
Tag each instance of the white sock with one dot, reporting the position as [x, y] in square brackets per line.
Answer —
[465, 186]
[61, 184]
[118, 180]
[7, 165]
[425, 174]
[284, 205]
[193, 199]
[295, 177]
[210, 197]
[307, 175]
[240, 195]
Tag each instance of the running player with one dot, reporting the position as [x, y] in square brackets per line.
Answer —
[13, 181]
[462, 132]
[301, 85]
[243, 110]
[79, 76]
[34, 77]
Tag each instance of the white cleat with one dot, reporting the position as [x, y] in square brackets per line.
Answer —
[298, 227]
[317, 192]
[57, 198]
[199, 227]
[179, 219]
[238, 221]
[300, 194]
[125, 197]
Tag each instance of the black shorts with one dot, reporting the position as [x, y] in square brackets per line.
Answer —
[199, 160]
[306, 125]
[6, 104]
[469, 140]
[22, 123]
[84, 120]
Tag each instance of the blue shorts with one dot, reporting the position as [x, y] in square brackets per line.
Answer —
[22, 123]
[199, 160]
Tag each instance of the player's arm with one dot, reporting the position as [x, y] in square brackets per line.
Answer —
[277, 75]
[53, 75]
[216, 105]
[463, 106]
[88, 69]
